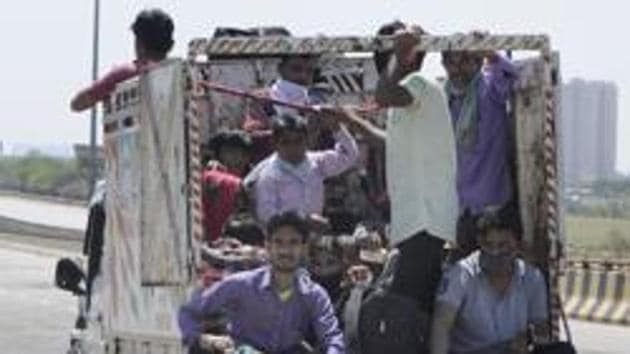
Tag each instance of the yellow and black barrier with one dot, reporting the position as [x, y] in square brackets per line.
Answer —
[597, 291]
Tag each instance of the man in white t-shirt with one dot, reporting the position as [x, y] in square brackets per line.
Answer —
[420, 162]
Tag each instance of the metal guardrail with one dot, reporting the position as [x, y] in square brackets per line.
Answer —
[599, 264]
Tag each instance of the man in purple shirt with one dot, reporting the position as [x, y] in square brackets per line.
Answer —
[478, 88]
[293, 178]
[272, 308]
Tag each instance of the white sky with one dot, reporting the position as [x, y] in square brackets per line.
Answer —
[47, 45]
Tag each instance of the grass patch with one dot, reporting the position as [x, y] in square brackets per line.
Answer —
[597, 237]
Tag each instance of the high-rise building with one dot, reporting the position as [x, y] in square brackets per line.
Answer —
[589, 130]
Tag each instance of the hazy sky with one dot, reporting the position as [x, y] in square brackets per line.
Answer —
[46, 52]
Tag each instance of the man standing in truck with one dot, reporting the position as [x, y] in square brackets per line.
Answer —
[478, 87]
[153, 32]
[420, 162]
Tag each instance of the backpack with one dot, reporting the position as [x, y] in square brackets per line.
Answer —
[379, 321]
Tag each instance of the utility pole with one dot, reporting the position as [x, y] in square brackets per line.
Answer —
[93, 120]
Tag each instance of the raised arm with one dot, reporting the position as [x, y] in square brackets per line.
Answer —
[97, 91]
[389, 92]
[361, 125]
[500, 74]
[345, 153]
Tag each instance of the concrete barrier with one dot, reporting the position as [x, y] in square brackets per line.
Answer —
[19, 227]
[600, 295]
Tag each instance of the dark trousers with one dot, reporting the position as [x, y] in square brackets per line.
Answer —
[419, 269]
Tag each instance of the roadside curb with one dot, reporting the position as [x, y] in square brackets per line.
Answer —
[38, 251]
[14, 226]
[43, 197]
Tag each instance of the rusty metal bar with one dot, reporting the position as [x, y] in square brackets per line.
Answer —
[274, 46]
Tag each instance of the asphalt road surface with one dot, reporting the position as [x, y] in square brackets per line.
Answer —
[35, 317]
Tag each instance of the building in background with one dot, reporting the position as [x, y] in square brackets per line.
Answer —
[589, 130]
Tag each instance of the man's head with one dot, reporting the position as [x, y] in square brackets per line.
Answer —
[287, 236]
[382, 59]
[461, 66]
[232, 149]
[499, 238]
[290, 137]
[299, 69]
[153, 30]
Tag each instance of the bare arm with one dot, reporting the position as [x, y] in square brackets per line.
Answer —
[389, 92]
[361, 125]
[101, 88]
[443, 321]
[82, 101]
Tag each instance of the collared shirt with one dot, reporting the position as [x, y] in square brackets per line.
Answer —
[483, 176]
[420, 163]
[280, 186]
[259, 317]
[486, 318]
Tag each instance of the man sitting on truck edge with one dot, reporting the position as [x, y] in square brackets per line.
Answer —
[271, 308]
[487, 302]
[153, 31]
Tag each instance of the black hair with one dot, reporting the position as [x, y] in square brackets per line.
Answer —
[233, 138]
[286, 57]
[382, 58]
[154, 29]
[291, 219]
[288, 123]
[506, 217]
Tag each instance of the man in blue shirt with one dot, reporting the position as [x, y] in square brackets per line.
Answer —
[272, 308]
[487, 302]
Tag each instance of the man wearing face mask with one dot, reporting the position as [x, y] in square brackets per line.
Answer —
[487, 302]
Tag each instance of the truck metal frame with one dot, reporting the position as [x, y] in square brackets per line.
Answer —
[154, 127]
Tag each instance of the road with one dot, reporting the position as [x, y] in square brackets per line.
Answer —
[35, 317]
[592, 338]
[42, 212]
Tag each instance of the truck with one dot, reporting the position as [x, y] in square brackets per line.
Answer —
[154, 129]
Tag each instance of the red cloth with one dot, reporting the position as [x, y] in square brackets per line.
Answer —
[106, 84]
[218, 201]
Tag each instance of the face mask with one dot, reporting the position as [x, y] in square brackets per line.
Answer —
[494, 262]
